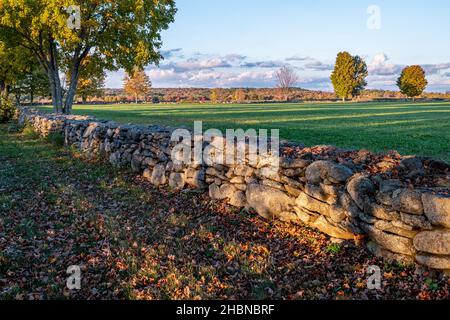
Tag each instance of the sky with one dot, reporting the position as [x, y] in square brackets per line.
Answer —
[241, 43]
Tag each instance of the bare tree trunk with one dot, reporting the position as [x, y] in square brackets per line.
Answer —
[74, 77]
[136, 98]
[72, 89]
[56, 89]
[55, 82]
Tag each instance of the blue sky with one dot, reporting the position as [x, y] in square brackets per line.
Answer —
[240, 43]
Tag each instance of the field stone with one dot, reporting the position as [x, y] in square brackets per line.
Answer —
[295, 163]
[237, 199]
[214, 192]
[412, 163]
[237, 180]
[273, 184]
[437, 209]
[311, 204]
[367, 218]
[269, 173]
[331, 190]
[136, 163]
[196, 178]
[360, 188]
[434, 262]
[292, 191]
[316, 192]
[147, 174]
[326, 170]
[380, 211]
[289, 216]
[391, 228]
[420, 222]
[267, 202]
[223, 192]
[435, 242]
[337, 214]
[394, 243]
[303, 216]
[176, 180]
[326, 227]
[387, 187]
[408, 201]
[158, 177]
[389, 256]
[439, 166]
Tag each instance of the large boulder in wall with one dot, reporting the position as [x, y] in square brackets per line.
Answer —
[268, 202]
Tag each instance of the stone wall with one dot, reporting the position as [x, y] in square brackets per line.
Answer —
[400, 205]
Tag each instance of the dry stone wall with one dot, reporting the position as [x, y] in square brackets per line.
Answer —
[400, 205]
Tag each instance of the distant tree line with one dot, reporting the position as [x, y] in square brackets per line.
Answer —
[249, 95]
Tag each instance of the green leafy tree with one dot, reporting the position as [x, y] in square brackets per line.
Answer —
[121, 33]
[137, 84]
[349, 75]
[32, 83]
[412, 81]
[13, 63]
[7, 109]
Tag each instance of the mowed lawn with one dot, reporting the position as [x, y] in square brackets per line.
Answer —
[411, 128]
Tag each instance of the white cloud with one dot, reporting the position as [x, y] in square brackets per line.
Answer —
[235, 70]
[318, 66]
[263, 64]
[380, 66]
[298, 58]
[436, 68]
[196, 64]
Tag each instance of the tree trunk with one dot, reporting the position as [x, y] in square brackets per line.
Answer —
[31, 97]
[73, 86]
[2, 87]
[53, 75]
[136, 98]
[343, 99]
[56, 89]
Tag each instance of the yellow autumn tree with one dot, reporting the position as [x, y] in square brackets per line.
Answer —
[137, 84]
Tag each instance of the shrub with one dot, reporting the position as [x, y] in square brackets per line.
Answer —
[7, 109]
[56, 139]
[28, 131]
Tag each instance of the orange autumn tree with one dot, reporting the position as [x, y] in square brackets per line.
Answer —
[412, 81]
[137, 84]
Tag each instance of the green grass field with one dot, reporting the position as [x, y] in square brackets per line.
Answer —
[411, 128]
